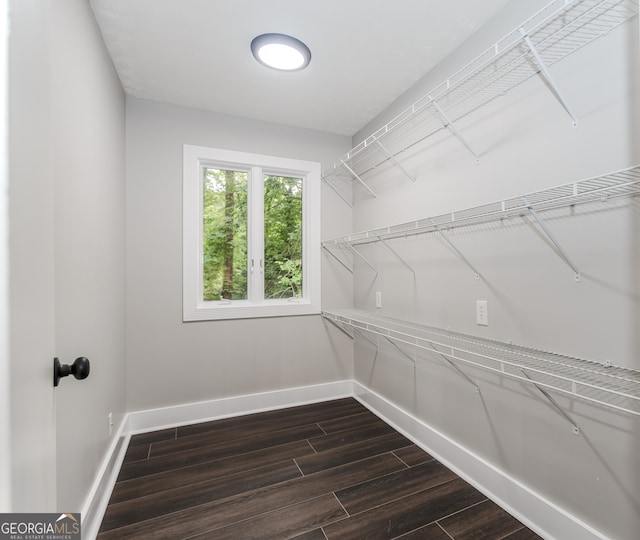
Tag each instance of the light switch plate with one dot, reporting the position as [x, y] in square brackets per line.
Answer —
[482, 313]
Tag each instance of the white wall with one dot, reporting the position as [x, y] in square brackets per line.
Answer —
[170, 362]
[526, 143]
[89, 224]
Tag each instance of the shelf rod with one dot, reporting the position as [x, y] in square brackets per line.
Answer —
[334, 188]
[395, 161]
[334, 323]
[362, 257]
[558, 247]
[358, 178]
[452, 127]
[385, 244]
[454, 248]
[454, 366]
[553, 402]
[547, 76]
[337, 259]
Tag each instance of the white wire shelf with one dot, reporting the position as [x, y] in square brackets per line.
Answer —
[555, 31]
[600, 383]
[623, 183]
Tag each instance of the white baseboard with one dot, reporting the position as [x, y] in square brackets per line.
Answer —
[96, 502]
[539, 514]
[191, 413]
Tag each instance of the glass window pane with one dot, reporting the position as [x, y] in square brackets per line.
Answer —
[224, 228]
[282, 237]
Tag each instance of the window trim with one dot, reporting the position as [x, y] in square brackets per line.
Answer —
[195, 159]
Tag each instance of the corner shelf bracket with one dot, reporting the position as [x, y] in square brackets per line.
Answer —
[448, 123]
[547, 76]
[556, 244]
[554, 403]
[395, 161]
[338, 192]
[344, 264]
[454, 248]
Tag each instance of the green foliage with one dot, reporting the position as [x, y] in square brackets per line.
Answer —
[282, 237]
[225, 226]
[224, 234]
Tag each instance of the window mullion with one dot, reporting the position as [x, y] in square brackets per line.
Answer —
[256, 240]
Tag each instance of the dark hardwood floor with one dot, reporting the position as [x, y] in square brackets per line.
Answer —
[329, 470]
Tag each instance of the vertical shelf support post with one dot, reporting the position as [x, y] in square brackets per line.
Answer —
[547, 76]
[552, 239]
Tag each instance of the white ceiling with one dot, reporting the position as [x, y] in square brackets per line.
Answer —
[365, 53]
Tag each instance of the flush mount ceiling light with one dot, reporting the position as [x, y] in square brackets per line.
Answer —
[280, 51]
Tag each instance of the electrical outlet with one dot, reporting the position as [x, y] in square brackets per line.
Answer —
[110, 419]
[378, 299]
[482, 313]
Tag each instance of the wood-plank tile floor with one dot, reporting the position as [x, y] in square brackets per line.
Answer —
[330, 470]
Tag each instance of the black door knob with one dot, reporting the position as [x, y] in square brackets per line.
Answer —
[79, 369]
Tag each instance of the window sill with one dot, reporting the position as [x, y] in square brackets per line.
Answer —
[242, 309]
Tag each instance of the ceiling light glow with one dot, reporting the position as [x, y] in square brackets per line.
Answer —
[280, 51]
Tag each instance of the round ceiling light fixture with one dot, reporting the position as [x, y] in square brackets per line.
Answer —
[280, 51]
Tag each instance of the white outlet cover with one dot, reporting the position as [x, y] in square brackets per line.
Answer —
[482, 313]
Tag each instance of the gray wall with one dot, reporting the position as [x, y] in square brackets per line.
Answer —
[170, 362]
[526, 143]
[66, 251]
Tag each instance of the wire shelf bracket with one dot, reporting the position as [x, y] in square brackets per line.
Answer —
[455, 367]
[395, 161]
[339, 327]
[454, 248]
[393, 251]
[547, 232]
[448, 123]
[338, 192]
[325, 246]
[547, 76]
[554, 403]
[356, 252]
[355, 175]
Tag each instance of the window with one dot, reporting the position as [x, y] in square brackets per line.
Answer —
[251, 235]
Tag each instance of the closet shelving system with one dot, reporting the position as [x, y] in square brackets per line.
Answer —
[558, 29]
[614, 387]
[623, 183]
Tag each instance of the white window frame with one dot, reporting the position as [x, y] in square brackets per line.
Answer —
[195, 160]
